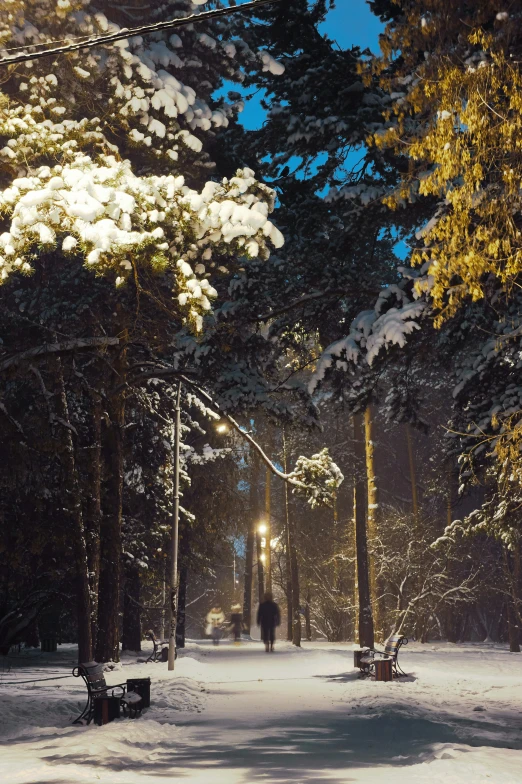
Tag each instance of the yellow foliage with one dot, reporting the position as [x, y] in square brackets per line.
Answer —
[460, 122]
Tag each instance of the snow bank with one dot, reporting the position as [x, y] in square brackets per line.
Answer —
[238, 715]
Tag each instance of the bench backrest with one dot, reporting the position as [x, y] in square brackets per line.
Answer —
[154, 640]
[93, 675]
[393, 643]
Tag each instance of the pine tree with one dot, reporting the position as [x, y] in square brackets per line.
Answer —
[70, 198]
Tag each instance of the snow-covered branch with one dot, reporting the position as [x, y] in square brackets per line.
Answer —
[57, 348]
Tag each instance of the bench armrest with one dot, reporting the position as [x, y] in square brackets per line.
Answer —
[122, 686]
[383, 653]
[108, 691]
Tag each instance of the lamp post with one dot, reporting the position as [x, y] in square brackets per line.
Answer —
[174, 537]
[222, 427]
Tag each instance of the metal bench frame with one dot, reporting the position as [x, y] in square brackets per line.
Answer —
[94, 679]
[391, 650]
[156, 653]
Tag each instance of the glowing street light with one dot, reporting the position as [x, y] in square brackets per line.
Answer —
[222, 427]
[262, 529]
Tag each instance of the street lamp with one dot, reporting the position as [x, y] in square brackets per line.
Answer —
[222, 427]
[262, 528]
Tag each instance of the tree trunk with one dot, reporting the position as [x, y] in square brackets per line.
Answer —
[93, 514]
[131, 633]
[182, 603]
[449, 500]
[260, 570]
[308, 625]
[419, 626]
[517, 582]
[294, 566]
[107, 644]
[355, 569]
[376, 587]
[513, 631]
[288, 561]
[73, 502]
[163, 602]
[289, 607]
[366, 636]
[338, 614]
[268, 549]
[413, 480]
[247, 588]
[512, 602]
[296, 623]
[450, 624]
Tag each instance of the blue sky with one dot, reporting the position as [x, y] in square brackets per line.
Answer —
[350, 23]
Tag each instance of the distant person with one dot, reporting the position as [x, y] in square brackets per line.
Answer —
[268, 617]
[236, 621]
[215, 620]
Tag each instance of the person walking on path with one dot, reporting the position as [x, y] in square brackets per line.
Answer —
[268, 617]
[236, 620]
[215, 619]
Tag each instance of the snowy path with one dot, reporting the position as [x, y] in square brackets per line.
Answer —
[237, 715]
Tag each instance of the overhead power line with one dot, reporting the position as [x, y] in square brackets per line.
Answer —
[131, 32]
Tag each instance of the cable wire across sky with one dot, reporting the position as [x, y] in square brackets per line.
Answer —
[131, 32]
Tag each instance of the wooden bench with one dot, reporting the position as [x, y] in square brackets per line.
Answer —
[97, 689]
[156, 654]
[391, 650]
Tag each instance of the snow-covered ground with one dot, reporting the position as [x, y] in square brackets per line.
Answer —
[235, 715]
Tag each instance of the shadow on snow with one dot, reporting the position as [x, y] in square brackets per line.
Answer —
[303, 746]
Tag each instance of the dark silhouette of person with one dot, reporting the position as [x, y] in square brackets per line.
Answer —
[236, 620]
[268, 617]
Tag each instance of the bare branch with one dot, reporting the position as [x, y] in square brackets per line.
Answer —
[57, 348]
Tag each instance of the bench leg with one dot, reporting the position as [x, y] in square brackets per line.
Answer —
[86, 713]
[134, 711]
[399, 672]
